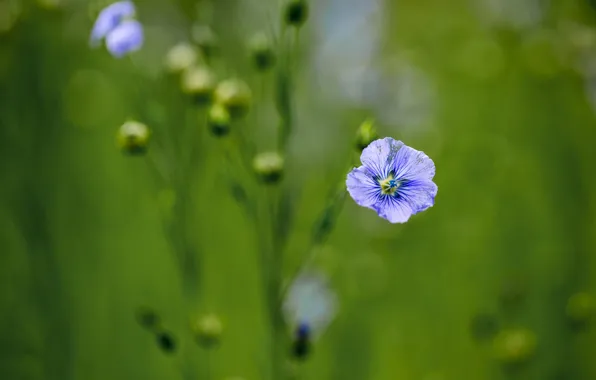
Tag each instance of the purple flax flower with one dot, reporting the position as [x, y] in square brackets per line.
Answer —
[126, 38]
[394, 180]
[116, 25]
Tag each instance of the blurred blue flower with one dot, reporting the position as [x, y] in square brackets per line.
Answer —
[394, 180]
[310, 305]
[126, 38]
[117, 26]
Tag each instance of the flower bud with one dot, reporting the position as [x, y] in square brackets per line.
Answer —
[261, 52]
[514, 346]
[207, 330]
[269, 167]
[366, 134]
[166, 341]
[218, 120]
[205, 39]
[147, 318]
[235, 95]
[296, 12]
[133, 137]
[180, 57]
[581, 307]
[199, 82]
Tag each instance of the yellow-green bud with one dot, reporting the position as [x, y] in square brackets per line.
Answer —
[581, 307]
[218, 120]
[269, 166]
[133, 137]
[205, 39]
[180, 57]
[199, 82]
[366, 134]
[207, 330]
[261, 52]
[514, 346]
[235, 95]
[296, 12]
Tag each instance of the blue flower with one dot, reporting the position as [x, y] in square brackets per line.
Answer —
[310, 305]
[394, 180]
[116, 25]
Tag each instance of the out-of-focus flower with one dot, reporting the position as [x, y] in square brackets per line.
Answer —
[394, 180]
[310, 305]
[205, 39]
[116, 25]
[126, 38]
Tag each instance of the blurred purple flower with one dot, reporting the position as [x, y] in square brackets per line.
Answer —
[116, 25]
[126, 38]
[394, 180]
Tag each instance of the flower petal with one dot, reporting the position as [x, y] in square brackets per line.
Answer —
[126, 38]
[419, 194]
[395, 210]
[412, 164]
[362, 187]
[379, 155]
[109, 18]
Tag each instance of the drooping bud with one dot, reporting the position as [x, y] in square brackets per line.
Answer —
[199, 83]
[366, 134]
[296, 12]
[207, 330]
[262, 53]
[514, 346]
[206, 40]
[235, 95]
[218, 120]
[180, 57]
[581, 308]
[133, 137]
[269, 167]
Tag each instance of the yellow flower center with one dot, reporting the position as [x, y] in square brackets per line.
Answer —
[389, 185]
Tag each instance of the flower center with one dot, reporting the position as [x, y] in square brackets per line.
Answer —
[389, 185]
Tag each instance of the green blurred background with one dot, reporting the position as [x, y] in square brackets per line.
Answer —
[499, 93]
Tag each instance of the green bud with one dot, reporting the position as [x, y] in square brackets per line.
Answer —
[166, 341]
[133, 137]
[514, 346]
[366, 134]
[235, 95]
[199, 83]
[581, 307]
[205, 39]
[269, 167]
[207, 330]
[147, 318]
[261, 52]
[296, 12]
[218, 120]
[180, 57]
